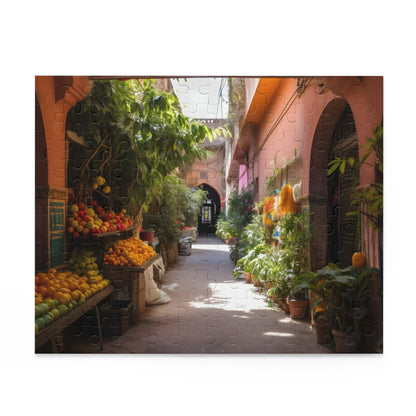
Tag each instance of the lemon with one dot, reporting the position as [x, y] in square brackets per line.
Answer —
[106, 189]
[99, 180]
[54, 313]
[95, 185]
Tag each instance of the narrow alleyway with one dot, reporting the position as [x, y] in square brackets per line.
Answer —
[211, 312]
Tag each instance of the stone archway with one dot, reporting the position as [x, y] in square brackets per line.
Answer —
[318, 181]
[210, 211]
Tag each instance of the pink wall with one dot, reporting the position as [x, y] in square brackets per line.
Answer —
[297, 128]
[307, 126]
[243, 175]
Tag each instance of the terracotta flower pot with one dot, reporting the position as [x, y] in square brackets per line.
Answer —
[247, 276]
[256, 282]
[323, 332]
[273, 298]
[298, 308]
[147, 236]
[268, 285]
[284, 305]
[346, 342]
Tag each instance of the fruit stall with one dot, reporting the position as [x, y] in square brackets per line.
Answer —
[104, 273]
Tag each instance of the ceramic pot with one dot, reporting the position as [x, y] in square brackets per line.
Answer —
[247, 277]
[273, 298]
[346, 342]
[147, 236]
[298, 308]
[323, 333]
[284, 305]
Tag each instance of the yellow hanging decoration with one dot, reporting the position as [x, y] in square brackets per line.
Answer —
[286, 203]
[269, 210]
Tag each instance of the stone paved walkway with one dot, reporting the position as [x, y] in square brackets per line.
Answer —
[211, 312]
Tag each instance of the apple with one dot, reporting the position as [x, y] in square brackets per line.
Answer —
[117, 218]
[76, 234]
[81, 213]
[87, 218]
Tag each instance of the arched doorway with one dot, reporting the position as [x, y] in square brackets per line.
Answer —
[335, 135]
[210, 211]
[342, 229]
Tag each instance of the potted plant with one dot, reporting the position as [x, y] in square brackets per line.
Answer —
[147, 234]
[322, 316]
[280, 293]
[294, 239]
[346, 294]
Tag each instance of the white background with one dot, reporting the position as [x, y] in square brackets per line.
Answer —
[205, 38]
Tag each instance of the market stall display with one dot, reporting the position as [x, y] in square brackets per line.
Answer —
[94, 220]
[61, 291]
[126, 265]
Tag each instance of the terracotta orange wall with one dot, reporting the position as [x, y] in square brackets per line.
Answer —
[54, 116]
[54, 119]
[299, 125]
[213, 167]
[297, 128]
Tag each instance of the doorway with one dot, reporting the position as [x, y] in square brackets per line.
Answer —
[210, 211]
[342, 228]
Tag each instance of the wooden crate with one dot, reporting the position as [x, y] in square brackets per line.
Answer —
[129, 283]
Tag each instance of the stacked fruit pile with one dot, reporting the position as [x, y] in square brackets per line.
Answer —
[83, 262]
[95, 220]
[131, 252]
[63, 291]
[49, 311]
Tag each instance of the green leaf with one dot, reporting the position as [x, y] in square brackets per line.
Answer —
[342, 167]
[333, 164]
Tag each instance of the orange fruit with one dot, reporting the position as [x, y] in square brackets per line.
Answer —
[358, 260]
[76, 294]
[57, 295]
[42, 290]
[50, 291]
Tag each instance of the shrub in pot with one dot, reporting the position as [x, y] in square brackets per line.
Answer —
[294, 238]
[322, 316]
[346, 293]
[280, 292]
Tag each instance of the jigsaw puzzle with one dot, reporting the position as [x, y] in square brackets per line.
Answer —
[213, 215]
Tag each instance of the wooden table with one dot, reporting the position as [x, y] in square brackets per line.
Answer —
[129, 283]
[48, 333]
